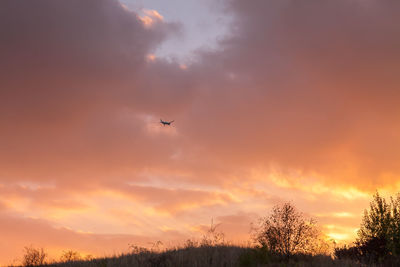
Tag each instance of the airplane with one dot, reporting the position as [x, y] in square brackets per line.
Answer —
[165, 122]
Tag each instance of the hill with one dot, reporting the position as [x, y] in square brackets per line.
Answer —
[207, 256]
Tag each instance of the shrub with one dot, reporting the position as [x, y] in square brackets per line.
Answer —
[213, 237]
[34, 257]
[379, 235]
[348, 253]
[70, 255]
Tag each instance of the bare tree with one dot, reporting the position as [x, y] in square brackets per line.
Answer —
[286, 231]
[70, 255]
[34, 256]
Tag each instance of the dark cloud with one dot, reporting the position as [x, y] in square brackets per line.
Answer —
[70, 72]
[308, 85]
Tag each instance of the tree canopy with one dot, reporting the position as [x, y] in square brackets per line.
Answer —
[287, 231]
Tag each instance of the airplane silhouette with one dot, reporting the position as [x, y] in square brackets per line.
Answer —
[165, 122]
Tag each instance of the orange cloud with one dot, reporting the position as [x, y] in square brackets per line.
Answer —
[150, 16]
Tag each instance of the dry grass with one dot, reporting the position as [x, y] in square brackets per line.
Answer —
[206, 256]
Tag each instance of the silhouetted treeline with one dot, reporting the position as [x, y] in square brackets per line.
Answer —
[286, 237]
[378, 239]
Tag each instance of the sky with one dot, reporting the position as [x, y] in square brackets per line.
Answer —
[273, 101]
[202, 24]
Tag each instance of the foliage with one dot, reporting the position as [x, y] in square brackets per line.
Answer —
[191, 243]
[213, 256]
[213, 237]
[286, 231]
[348, 252]
[34, 256]
[379, 234]
[138, 249]
[256, 256]
[70, 255]
[208, 256]
[376, 222]
[394, 231]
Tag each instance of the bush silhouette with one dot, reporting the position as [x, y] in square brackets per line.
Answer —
[286, 232]
[70, 255]
[377, 237]
[379, 234]
[34, 257]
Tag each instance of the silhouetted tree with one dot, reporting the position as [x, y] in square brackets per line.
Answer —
[34, 257]
[375, 236]
[286, 231]
[379, 234]
[70, 255]
[377, 222]
[394, 233]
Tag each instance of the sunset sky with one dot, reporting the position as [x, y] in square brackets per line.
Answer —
[273, 101]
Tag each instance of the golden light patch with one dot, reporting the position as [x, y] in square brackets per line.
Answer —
[339, 233]
[339, 236]
[151, 58]
[343, 214]
[337, 214]
[150, 17]
[17, 204]
[306, 183]
[166, 228]
[351, 193]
